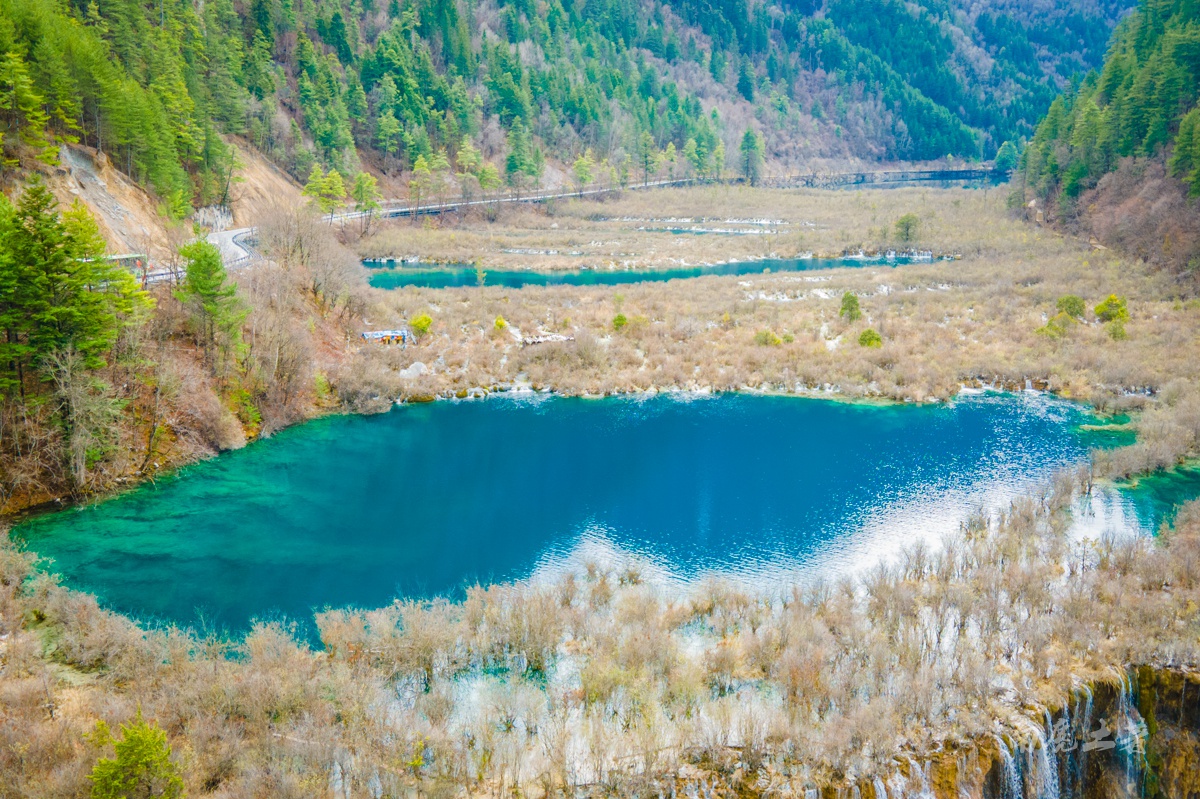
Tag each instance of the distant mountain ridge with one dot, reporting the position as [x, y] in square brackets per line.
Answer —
[347, 83]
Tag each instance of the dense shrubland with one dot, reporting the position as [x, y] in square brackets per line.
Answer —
[975, 320]
[605, 679]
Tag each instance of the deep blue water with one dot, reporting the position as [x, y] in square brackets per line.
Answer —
[386, 275]
[426, 499]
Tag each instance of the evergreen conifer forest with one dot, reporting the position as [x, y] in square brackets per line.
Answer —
[156, 86]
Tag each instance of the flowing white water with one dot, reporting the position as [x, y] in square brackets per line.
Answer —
[1048, 760]
[1129, 734]
[897, 786]
[1084, 719]
[919, 772]
[1013, 788]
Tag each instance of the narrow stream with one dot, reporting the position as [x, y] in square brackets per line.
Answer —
[392, 274]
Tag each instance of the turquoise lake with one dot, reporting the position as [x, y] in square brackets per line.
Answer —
[428, 499]
[386, 275]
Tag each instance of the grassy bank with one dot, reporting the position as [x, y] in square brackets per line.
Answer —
[718, 223]
[978, 320]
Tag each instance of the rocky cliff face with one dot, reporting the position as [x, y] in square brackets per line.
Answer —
[1136, 737]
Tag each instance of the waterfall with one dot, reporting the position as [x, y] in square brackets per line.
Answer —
[1084, 720]
[1052, 789]
[897, 786]
[1012, 788]
[880, 789]
[1043, 776]
[921, 773]
[1070, 730]
[1130, 734]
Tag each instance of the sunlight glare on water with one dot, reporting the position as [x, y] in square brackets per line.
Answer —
[428, 499]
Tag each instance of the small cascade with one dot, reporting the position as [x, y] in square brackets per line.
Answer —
[964, 768]
[897, 786]
[1069, 731]
[1130, 736]
[854, 792]
[927, 781]
[920, 774]
[1084, 719]
[880, 789]
[811, 793]
[1052, 743]
[1012, 788]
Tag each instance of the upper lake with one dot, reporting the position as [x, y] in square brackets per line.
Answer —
[426, 499]
[387, 275]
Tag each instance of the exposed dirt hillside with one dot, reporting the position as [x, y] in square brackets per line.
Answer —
[258, 185]
[130, 218]
[127, 214]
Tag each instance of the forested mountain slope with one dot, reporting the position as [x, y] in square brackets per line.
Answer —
[1120, 155]
[156, 85]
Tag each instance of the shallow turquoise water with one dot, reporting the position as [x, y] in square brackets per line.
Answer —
[1155, 498]
[429, 498]
[388, 276]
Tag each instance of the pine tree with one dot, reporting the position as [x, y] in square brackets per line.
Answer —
[439, 167]
[61, 292]
[516, 164]
[365, 192]
[1185, 160]
[691, 154]
[57, 291]
[214, 303]
[21, 105]
[420, 182]
[387, 132]
[646, 153]
[1006, 157]
[489, 178]
[745, 84]
[468, 158]
[326, 191]
[333, 193]
[751, 156]
[315, 185]
[366, 196]
[14, 349]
